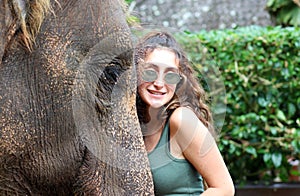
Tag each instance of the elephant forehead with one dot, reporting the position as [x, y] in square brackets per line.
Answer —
[13, 135]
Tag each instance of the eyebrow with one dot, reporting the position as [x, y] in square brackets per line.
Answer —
[157, 67]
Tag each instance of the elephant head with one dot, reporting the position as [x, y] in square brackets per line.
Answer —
[68, 123]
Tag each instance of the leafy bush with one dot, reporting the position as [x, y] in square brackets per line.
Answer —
[285, 12]
[260, 69]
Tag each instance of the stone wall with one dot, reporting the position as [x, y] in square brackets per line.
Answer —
[194, 15]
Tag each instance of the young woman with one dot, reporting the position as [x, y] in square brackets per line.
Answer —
[176, 122]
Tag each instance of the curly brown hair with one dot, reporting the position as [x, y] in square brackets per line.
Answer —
[189, 93]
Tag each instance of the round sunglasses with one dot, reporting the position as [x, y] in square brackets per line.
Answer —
[169, 78]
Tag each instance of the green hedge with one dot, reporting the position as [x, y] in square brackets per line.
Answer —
[259, 69]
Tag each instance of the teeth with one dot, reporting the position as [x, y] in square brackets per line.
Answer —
[156, 93]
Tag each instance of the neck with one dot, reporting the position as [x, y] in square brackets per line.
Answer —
[155, 124]
[153, 113]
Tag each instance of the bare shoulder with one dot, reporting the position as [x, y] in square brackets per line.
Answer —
[184, 115]
[190, 134]
[184, 121]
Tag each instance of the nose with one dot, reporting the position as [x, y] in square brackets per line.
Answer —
[159, 82]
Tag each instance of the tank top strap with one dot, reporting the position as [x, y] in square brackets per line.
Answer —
[160, 155]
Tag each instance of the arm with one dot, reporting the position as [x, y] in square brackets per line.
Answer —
[200, 149]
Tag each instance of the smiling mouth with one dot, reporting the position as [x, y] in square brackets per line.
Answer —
[155, 92]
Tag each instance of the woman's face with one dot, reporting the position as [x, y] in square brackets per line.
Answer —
[158, 76]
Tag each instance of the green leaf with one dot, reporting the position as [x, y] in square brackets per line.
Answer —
[273, 130]
[291, 109]
[270, 3]
[281, 115]
[262, 102]
[267, 157]
[296, 145]
[251, 150]
[277, 159]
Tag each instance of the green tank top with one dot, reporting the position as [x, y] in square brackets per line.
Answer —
[172, 176]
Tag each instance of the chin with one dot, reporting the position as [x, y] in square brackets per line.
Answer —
[156, 106]
[157, 103]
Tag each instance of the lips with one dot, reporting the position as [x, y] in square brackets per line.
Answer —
[153, 92]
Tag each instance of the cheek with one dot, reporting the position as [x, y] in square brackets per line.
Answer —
[171, 92]
[141, 90]
[139, 80]
[172, 89]
[141, 87]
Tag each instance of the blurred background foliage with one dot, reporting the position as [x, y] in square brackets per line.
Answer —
[260, 68]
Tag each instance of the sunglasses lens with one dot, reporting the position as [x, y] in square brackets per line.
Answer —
[172, 78]
[149, 75]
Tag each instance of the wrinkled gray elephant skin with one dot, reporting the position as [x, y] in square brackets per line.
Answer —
[68, 123]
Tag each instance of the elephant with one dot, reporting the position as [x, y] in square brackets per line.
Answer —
[68, 122]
